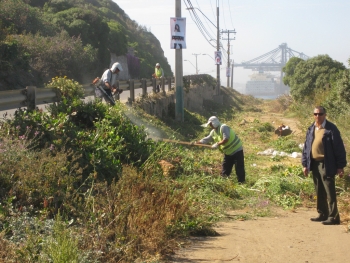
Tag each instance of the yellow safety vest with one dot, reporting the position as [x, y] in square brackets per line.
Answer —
[233, 144]
[158, 72]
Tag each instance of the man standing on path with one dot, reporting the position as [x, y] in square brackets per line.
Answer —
[228, 142]
[324, 155]
[158, 74]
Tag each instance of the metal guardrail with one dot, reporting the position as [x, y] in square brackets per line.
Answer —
[31, 96]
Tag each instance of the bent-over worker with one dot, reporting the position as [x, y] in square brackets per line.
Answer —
[226, 140]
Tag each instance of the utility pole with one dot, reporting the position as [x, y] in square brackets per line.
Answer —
[179, 105]
[228, 48]
[233, 62]
[196, 62]
[217, 49]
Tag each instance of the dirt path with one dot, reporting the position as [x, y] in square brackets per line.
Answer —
[287, 237]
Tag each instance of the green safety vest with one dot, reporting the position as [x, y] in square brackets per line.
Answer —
[233, 144]
[159, 72]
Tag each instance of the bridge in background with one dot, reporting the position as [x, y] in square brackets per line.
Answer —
[274, 60]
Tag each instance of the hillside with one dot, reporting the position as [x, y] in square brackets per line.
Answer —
[43, 39]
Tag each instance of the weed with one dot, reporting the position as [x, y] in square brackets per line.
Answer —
[286, 144]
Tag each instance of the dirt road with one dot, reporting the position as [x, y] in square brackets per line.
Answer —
[286, 237]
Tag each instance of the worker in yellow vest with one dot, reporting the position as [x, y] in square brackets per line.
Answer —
[158, 74]
[227, 141]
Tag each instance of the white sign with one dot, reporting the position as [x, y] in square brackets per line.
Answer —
[217, 55]
[178, 33]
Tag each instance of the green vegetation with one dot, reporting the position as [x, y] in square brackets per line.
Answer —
[315, 77]
[82, 183]
[43, 39]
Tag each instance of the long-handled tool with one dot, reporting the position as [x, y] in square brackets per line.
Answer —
[97, 82]
[186, 143]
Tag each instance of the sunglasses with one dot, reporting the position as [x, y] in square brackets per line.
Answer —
[318, 113]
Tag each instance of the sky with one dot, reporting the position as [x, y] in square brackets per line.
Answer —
[312, 27]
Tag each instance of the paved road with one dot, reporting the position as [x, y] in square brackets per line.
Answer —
[123, 98]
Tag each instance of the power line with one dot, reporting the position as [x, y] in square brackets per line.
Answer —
[223, 12]
[229, 7]
[194, 20]
[212, 9]
[198, 22]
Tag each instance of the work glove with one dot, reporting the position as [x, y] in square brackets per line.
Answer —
[215, 146]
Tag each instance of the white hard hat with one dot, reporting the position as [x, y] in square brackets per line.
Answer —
[213, 120]
[157, 65]
[116, 66]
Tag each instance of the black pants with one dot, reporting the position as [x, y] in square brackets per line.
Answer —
[236, 160]
[325, 191]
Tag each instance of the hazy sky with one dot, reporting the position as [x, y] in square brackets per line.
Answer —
[313, 27]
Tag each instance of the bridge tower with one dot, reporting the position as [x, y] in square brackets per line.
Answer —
[274, 60]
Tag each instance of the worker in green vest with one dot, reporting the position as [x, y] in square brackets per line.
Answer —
[158, 74]
[226, 140]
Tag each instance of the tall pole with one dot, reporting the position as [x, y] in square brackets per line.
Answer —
[228, 49]
[217, 49]
[233, 62]
[179, 105]
[196, 62]
[228, 62]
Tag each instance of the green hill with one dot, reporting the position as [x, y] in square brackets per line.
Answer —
[43, 39]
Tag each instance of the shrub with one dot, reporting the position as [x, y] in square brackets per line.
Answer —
[102, 136]
[19, 18]
[60, 55]
[12, 56]
[38, 179]
[68, 88]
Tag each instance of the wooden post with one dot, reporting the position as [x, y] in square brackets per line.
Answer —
[169, 84]
[31, 98]
[144, 87]
[162, 80]
[132, 90]
[116, 95]
[154, 83]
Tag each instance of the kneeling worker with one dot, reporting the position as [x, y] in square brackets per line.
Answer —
[227, 141]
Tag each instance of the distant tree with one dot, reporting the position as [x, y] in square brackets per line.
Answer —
[55, 6]
[308, 76]
[18, 17]
[83, 23]
[60, 55]
[117, 42]
[344, 86]
[289, 70]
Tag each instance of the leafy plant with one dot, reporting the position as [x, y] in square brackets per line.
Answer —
[286, 144]
[69, 88]
[62, 246]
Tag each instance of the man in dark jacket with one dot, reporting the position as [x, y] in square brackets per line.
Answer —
[324, 155]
